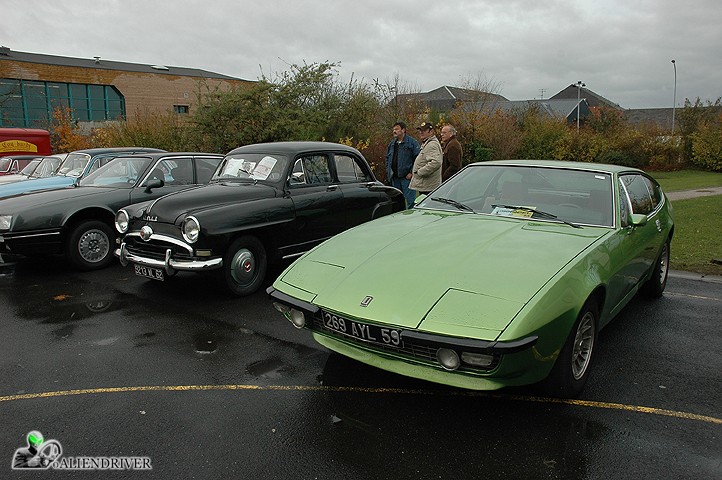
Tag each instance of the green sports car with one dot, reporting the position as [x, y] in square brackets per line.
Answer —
[501, 276]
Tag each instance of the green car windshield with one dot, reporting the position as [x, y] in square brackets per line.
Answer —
[122, 172]
[582, 197]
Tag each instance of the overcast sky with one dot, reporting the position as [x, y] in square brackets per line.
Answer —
[621, 49]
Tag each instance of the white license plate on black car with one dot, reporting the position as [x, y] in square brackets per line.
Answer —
[362, 331]
[149, 272]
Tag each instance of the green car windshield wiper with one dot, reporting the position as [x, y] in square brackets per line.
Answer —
[538, 212]
[458, 205]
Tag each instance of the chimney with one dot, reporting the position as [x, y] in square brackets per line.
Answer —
[97, 59]
[5, 51]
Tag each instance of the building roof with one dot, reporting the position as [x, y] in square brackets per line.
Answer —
[445, 98]
[565, 108]
[102, 64]
[661, 117]
[593, 99]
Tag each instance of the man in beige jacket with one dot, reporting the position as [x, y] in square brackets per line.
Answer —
[427, 166]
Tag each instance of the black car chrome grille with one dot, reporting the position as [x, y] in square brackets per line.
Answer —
[154, 249]
[422, 353]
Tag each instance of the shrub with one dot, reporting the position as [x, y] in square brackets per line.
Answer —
[707, 147]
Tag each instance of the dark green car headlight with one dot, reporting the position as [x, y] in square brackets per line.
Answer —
[5, 221]
[121, 221]
[191, 229]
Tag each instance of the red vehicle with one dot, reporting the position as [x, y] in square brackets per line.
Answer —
[24, 141]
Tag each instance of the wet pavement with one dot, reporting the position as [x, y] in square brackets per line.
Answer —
[205, 386]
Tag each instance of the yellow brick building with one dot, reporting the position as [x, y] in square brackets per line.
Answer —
[95, 89]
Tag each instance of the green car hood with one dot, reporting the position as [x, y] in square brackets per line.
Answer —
[440, 272]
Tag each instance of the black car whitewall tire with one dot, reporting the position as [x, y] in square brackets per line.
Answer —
[90, 245]
[654, 287]
[244, 266]
[571, 370]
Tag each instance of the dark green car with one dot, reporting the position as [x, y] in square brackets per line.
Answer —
[502, 276]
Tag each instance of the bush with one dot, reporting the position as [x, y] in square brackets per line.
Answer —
[616, 157]
[707, 147]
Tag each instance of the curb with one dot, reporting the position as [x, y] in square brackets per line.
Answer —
[695, 276]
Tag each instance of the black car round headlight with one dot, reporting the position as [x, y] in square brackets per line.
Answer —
[121, 221]
[191, 229]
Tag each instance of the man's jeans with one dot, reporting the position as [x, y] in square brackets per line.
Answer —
[403, 185]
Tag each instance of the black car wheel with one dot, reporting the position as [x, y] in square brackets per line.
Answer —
[244, 266]
[89, 245]
[571, 370]
[654, 287]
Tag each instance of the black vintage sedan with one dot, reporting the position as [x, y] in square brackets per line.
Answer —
[78, 220]
[266, 203]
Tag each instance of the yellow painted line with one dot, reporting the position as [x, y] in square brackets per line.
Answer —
[521, 398]
[700, 297]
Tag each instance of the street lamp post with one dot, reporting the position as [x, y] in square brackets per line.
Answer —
[674, 98]
[580, 84]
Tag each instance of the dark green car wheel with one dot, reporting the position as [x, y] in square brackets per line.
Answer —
[244, 266]
[89, 245]
[571, 370]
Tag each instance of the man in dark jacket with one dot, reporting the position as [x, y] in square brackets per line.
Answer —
[400, 156]
[452, 152]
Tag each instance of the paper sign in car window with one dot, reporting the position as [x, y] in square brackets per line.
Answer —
[264, 167]
[236, 167]
[513, 212]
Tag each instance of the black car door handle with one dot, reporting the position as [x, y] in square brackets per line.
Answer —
[332, 188]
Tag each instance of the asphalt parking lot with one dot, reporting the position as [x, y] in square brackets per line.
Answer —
[204, 386]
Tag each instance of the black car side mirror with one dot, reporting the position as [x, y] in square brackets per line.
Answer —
[155, 183]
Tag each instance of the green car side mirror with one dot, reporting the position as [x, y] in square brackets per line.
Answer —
[639, 219]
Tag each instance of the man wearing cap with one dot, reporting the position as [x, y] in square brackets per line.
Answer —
[426, 174]
[400, 156]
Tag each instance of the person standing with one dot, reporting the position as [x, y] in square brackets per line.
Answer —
[426, 174]
[452, 152]
[400, 156]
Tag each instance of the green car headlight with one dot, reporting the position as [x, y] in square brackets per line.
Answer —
[121, 221]
[5, 221]
[191, 229]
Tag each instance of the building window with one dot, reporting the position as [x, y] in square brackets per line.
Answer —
[182, 109]
[30, 104]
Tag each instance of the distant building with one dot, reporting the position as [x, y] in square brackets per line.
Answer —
[562, 109]
[593, 100]
[32, 85]
[446, 98]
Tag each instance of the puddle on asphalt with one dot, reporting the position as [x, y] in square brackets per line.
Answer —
[266, 368]
[205, 344]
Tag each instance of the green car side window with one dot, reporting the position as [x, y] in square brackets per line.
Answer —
[623, 205]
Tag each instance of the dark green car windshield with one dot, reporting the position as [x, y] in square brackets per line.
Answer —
[583, 197]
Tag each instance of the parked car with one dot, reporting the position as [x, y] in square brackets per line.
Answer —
[78, 220]
[266, 203]
[12, 164]
[76, 166]
[40, 167]
[501, 276]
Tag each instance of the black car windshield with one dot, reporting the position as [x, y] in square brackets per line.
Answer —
[582, 197]
[74, 165]
[122, 172]
[252, 166]
[48, 166]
